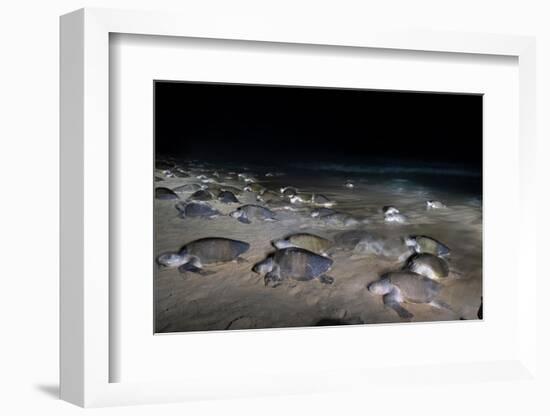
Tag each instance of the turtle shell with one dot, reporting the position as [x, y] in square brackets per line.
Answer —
[300, 264]
[216, 250]
[414, 287]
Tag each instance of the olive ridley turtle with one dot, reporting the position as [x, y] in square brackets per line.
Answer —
[307, 241]
[165, 194]
[435, 205]
[227, 197]
[406, 286]
[201, 195]
[205, 251]
[424, 244]
[294, 263]
[428, 265]
[197, 209]
[247, 212]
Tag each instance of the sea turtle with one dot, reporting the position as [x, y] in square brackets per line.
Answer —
[424, 244]
[309, 198]
[389, 247]
[406, 286]
[435, 205]
[307, 241]
[294, 263]
[165, 194]
[300, 198]
[196, 209]
[247, 212]
[254, 187]
[234, 189]
[213, 188]
[428, 265]
[390, 209]
[395, 218]
[201, 195]
[204, 251]
[245, 177]
[227, 197]
[288, 191]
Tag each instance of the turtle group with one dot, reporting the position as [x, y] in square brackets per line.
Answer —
[245, 200]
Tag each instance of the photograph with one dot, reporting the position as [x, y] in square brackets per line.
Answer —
[279, 206]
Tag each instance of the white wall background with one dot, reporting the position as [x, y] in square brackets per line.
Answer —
[29, 205]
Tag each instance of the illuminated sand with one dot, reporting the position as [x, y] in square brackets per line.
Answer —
[235, 297]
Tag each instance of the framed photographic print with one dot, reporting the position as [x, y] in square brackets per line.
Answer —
[293, 202]
[258, 212]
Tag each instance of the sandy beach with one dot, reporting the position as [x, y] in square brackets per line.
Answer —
[234, 297]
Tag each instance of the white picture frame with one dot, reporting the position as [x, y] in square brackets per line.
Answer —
[85, 219]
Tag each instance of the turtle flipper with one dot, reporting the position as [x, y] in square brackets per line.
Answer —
[194, 266]
[441, 305]
[243, 219]
[327, 280]
[273, 278]
[188, 267]
[241, 260]
[391, 301]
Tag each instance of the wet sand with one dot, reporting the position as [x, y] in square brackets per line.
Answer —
[235, 297]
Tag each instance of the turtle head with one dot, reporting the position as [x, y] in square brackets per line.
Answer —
[236, 214]
[288, 191]
[184, 254]
[380, 287]
[241, 246]
[272, 279]
[171, 260]
[282, 243]
[410, 241]
[443, 250]
[180, 206]
[263, 267]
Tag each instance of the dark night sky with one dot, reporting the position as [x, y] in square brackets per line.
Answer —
[263, 123]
